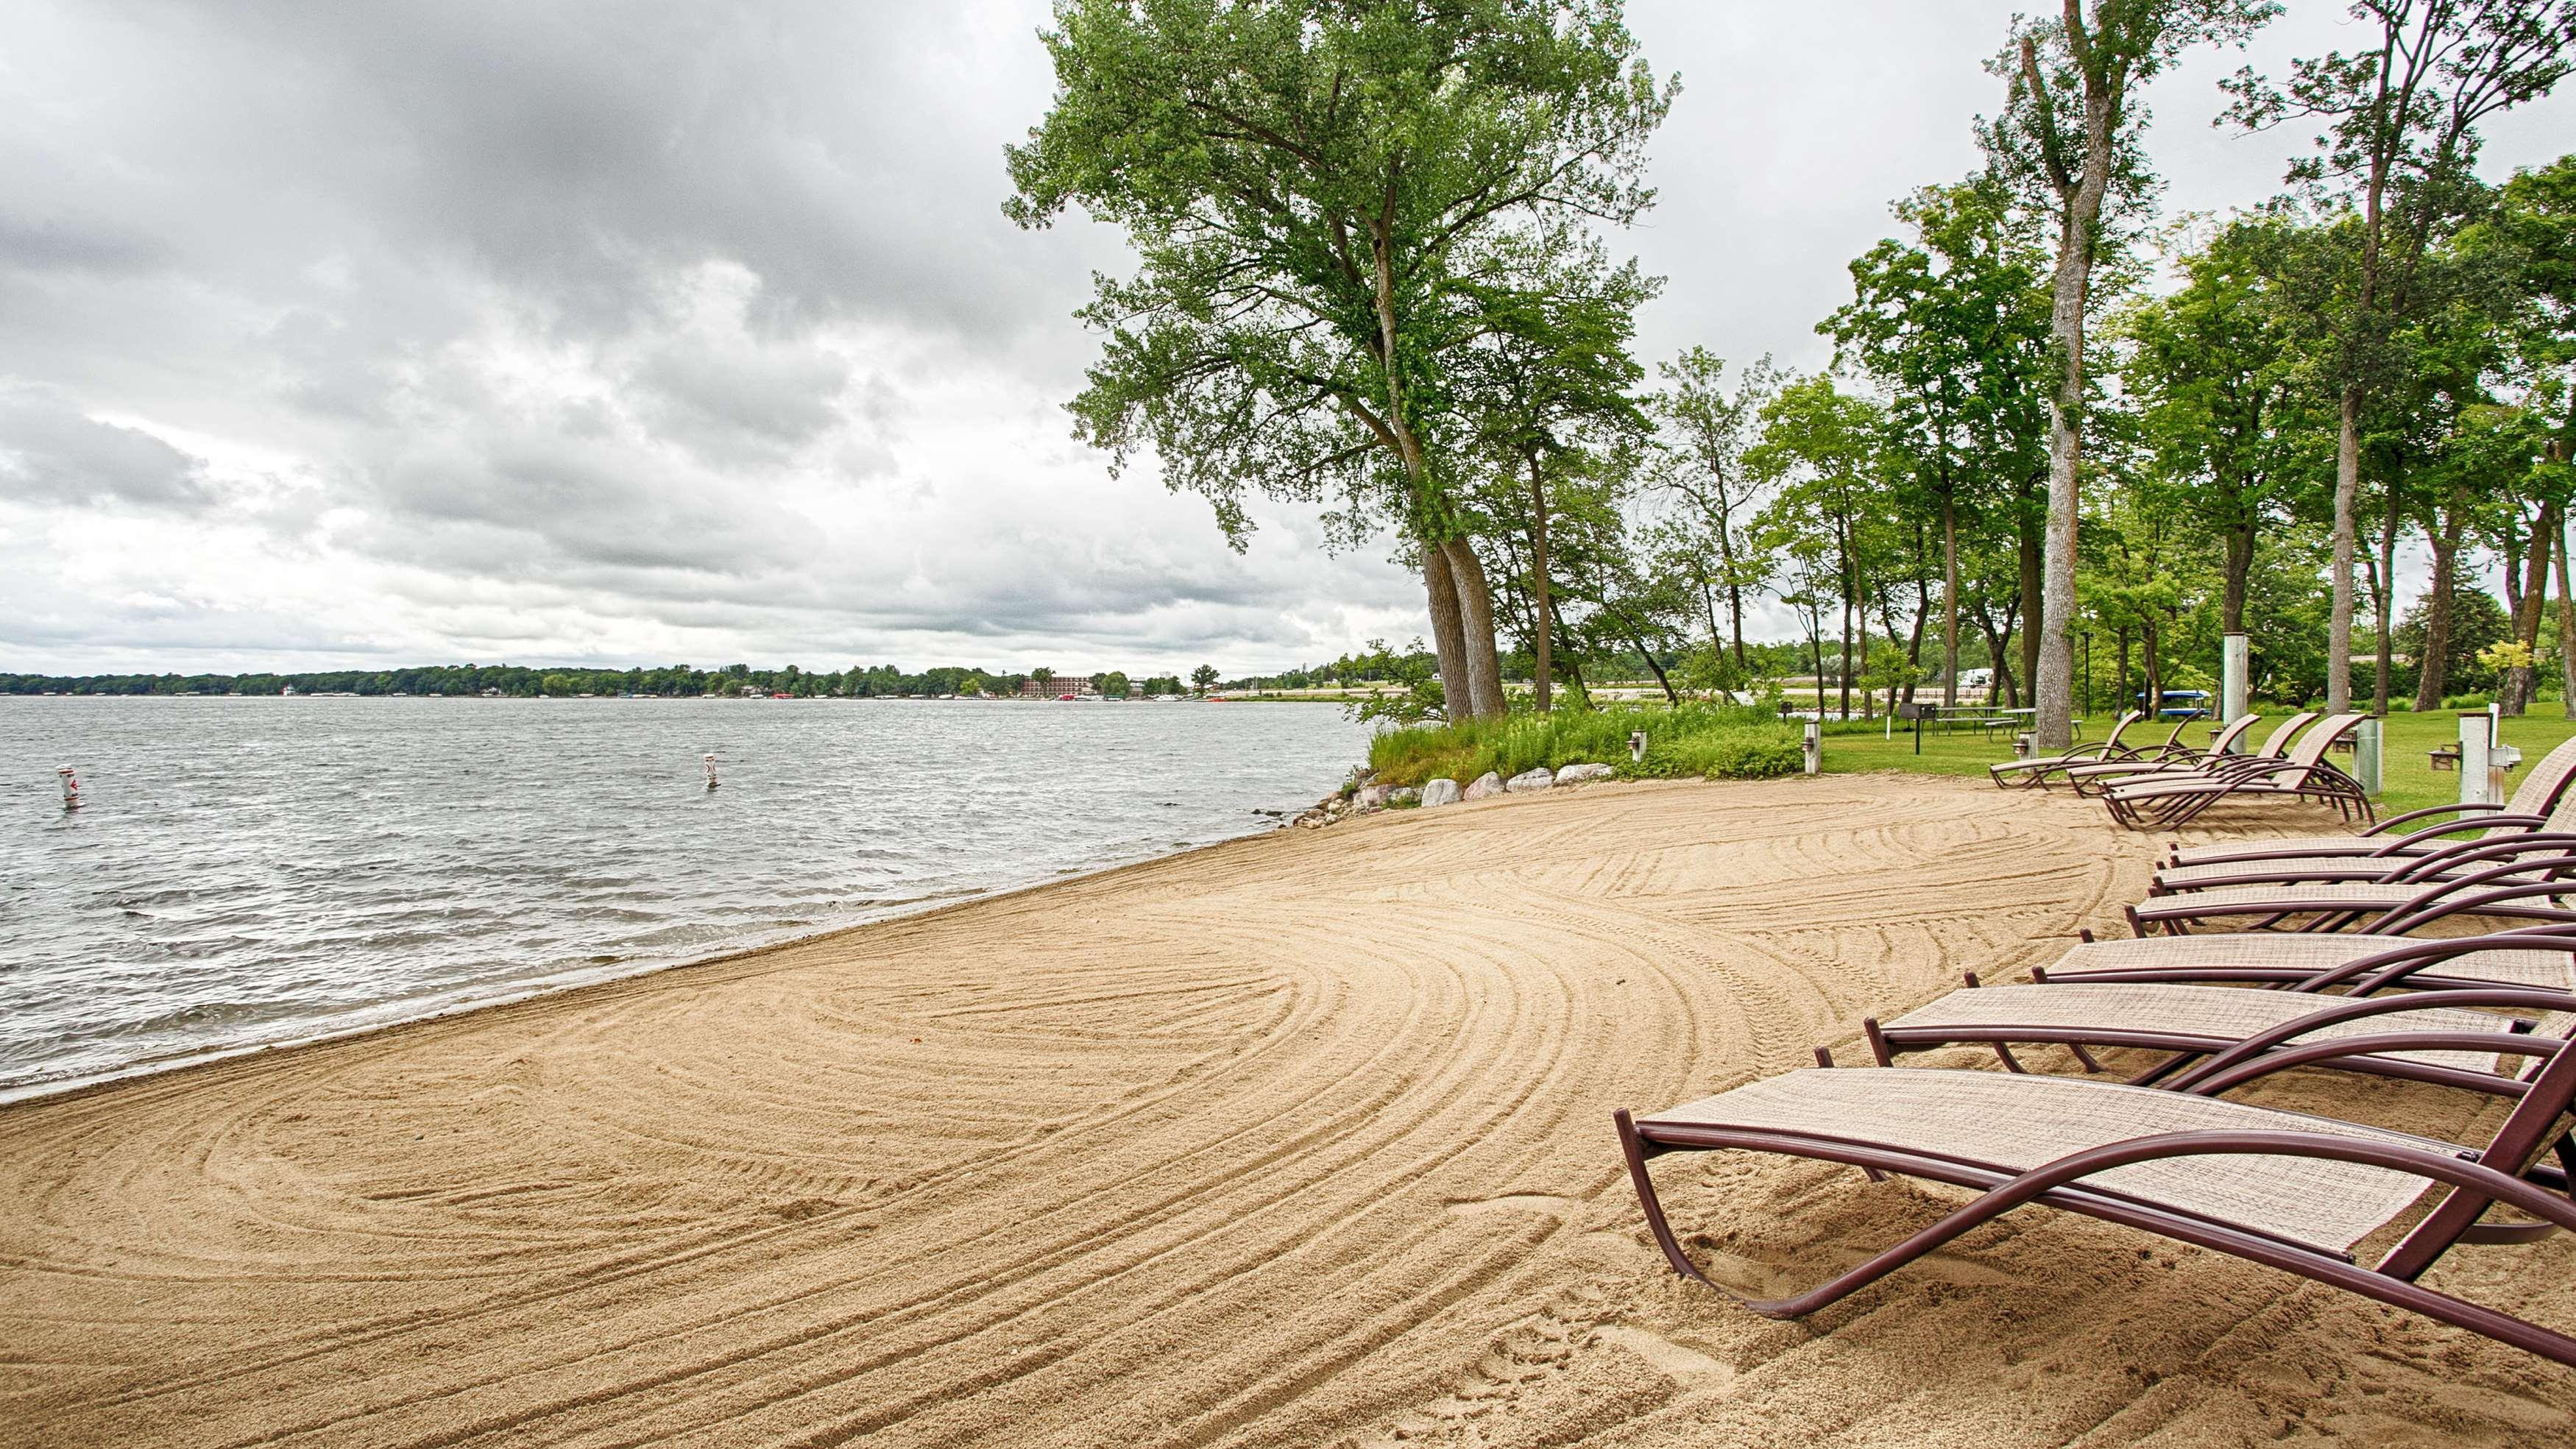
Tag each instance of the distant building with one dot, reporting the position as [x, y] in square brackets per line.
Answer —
[1078, 685]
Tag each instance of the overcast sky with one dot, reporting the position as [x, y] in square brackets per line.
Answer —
[635, 333]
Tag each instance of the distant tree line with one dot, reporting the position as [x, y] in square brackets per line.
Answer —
[517, 681]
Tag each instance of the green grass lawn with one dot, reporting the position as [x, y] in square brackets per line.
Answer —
[2409, 779]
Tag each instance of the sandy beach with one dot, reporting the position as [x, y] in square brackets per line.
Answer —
[1301, 1140]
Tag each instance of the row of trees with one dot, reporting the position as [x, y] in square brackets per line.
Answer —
[1372, 277]
[883, 681]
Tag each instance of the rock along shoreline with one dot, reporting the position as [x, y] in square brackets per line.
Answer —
[1362, 795]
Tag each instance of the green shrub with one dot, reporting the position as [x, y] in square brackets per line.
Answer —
[1734, 743]
[2467, 701]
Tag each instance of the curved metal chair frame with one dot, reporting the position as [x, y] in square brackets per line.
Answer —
[2472, 1185]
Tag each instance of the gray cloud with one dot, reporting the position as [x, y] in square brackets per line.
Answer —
[50, 453]
[604, 330]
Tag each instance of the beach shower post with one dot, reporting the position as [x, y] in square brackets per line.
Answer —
[71, 786]
[710, 762]
[1814, 746]
[1636, 747]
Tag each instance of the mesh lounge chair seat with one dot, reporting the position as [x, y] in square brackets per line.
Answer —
[2290, 868]
[2179, 1018]
[2534, 802]
[2291, 1191]
[2320, 961]
[2441, 860]
[2531, 890]
[2018, 1123]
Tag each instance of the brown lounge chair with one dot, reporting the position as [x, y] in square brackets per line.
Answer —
[2435, 859]
[2303, 774]
[2538, 958]
[2212, 1037]
[2540, 792]
[2177, 758]
[2037, 771]
[2279, 1188]
[2535, 881]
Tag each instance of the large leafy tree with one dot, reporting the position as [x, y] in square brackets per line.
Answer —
[2071, 133]
[1955, 326]
[2532, 232]
[1302, 181]
[2401, 115]
[2216, 381]
[1821, 447]
[1704, 432]
[1544, 388]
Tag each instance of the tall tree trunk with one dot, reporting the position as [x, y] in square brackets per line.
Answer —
[1949, 600]
[1996, 641]
[1476, 621]
[2079, 214]
[1448, 637]
[2028, 604]
[1538, 580]
[2124, 670]
[2434, 669]
[2149, 643]
[1816, 649]
[2566, 626]
[2523, 682]
[2339, 622]
[1843, 669]
[2385, 602]
[1573, 663]
[2240, 563]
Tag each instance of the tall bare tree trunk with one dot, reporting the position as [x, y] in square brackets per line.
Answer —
[2339, 621]
[2433, 670]
[1949, 600]
[2079, 217]
[2032, 569]
[1476, 622]
[2384, 602]
[1538, 580]
[2522, 682]
[2566, 627]
[1448, 638]
[2240, 563]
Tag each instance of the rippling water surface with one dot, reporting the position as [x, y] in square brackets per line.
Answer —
[246, 871]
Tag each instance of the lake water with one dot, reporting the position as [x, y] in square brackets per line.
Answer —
[248, 871]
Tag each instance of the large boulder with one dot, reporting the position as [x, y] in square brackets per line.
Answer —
[1486, 787]
[1439, 792]
[1406, 795]
[1533, 779]
[1577, 774]
[1373, 797]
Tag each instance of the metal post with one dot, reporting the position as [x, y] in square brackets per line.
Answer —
[71, 786]
[2475, 733]
[1815, 746]
[2365, 756]
[2232, 680]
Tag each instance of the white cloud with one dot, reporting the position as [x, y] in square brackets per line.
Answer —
[605, 332]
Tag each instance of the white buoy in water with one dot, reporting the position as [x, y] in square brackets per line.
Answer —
[1637, 746]
[71, 786]
[711, 770]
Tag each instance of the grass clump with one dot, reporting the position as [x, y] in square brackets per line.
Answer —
[1721, 743]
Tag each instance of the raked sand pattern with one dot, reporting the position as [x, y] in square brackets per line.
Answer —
[1301, 1140]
